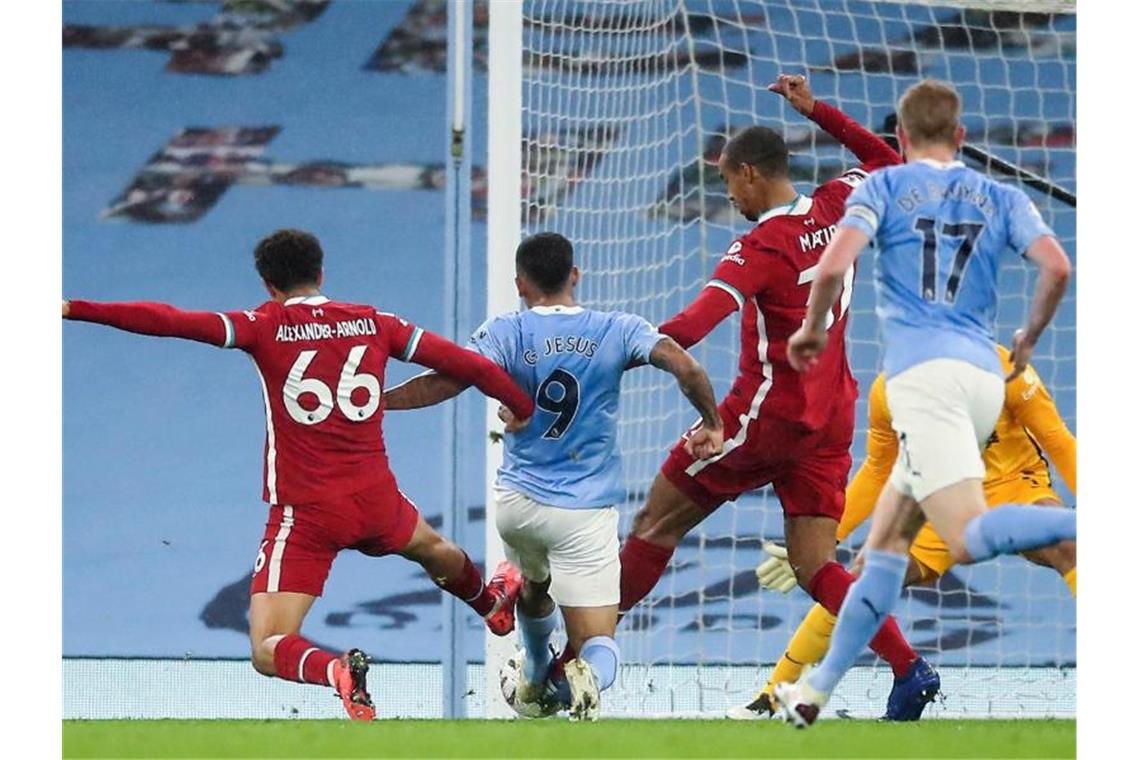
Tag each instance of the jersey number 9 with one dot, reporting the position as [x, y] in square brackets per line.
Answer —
[558, 394]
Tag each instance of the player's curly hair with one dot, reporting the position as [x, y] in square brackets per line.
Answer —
[287, 259]
[762, 148]
[546, 259]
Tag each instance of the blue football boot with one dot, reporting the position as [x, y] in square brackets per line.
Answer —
[913, 692]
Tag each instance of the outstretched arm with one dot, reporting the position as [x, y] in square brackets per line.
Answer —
[699, 318]
[158, 319]
[708, 440]
[470, 368]
[871, 150]
[427, 389]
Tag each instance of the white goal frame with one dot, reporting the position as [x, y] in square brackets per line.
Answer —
[505, 59]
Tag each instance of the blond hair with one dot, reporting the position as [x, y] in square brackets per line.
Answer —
[929, 111]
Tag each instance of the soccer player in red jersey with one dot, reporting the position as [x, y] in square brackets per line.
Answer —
[327, 481]
[783, 428]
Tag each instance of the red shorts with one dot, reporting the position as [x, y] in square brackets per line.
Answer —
[807, 469]
[301, 541]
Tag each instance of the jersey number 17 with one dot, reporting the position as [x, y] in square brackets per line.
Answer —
[927, 227]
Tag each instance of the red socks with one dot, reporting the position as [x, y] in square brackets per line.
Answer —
[296, 659]
[829, 587]
[469, 587]
[642, 565]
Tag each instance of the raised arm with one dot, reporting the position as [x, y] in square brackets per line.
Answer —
[708, 440]
[158, 319]
[469, 368]
[871, 150]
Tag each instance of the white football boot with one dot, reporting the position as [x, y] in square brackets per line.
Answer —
[800, 703]
[762, 706]
[585, 702]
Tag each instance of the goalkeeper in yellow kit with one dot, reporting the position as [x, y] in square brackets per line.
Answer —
[1029, 429]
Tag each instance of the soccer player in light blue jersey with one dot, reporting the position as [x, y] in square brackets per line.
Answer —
[561, 475]
[940, 230]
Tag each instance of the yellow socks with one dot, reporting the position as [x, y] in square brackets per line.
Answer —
[807, 647]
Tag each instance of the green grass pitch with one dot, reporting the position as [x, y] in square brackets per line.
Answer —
[607, 738]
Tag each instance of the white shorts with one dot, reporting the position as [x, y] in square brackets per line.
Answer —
[943, 412]
[577, 549]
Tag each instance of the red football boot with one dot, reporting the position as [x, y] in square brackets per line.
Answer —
[504, 585]
[349, 676]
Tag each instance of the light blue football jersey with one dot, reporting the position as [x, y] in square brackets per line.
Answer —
[940, 231]
[570, 360]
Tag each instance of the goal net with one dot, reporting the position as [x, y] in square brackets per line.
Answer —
[625, 107]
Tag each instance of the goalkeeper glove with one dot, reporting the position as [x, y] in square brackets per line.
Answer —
[775, 573]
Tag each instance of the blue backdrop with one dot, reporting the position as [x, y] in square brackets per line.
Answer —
[163, 439]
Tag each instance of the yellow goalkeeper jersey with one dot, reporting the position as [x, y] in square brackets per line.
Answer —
[1029, 428]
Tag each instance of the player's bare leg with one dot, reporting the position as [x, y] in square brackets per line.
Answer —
[974, 534]
[279, 650]
[452, 570]
[658, 527]
[272, 616]
[810, 542]
[951, 509]
[1062, 556]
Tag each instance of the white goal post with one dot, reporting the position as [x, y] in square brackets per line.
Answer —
[612, 113]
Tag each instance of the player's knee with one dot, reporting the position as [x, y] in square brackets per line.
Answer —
[661, 526]
[1062, 556]
[805, 574]
[667, 516]
[650, 526]
[534, 599]
[261, 657]
[807, 564]
[433, 552]
[958, 552]
[1067, 556]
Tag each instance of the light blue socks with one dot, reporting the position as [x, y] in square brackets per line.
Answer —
[869, 601]
[601, 652]
[1013, 528]
[535, 634]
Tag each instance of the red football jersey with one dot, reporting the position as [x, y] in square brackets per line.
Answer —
[769, 273]
[321, 365]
